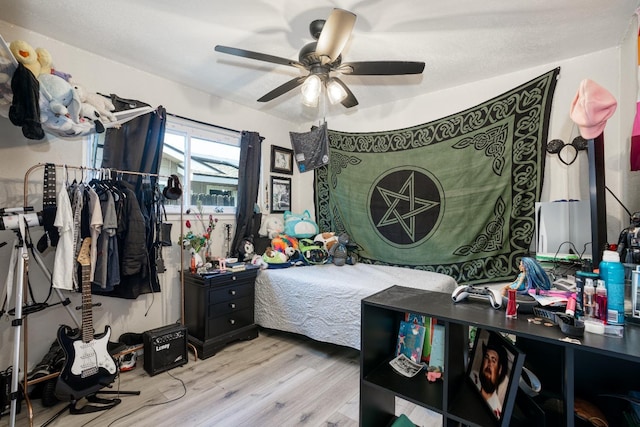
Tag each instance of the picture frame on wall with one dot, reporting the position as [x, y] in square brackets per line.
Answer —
[494, 369]
[281, 160]
[280, 194]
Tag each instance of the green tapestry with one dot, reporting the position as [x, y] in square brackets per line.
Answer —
[455, 196]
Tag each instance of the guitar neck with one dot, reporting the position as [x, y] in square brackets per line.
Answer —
[84, 259]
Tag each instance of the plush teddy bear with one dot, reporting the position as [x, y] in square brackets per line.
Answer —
[102, 104]
[272, 225]
[338, 252]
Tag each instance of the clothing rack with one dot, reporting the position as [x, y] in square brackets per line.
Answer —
[21, 321]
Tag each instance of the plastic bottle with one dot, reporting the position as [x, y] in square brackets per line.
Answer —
[601, 301]
[589, 299]
[612, 272]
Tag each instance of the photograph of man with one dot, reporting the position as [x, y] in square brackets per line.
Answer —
[490, 370]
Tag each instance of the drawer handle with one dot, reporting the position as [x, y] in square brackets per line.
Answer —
[232, 292]
[232, 321]
[232, 305]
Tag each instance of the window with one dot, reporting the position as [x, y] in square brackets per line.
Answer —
[207, 154]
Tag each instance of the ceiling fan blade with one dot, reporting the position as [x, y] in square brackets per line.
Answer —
[257, 55]
[282, 89]
[381, 68]
[350, 100]
[335, 34]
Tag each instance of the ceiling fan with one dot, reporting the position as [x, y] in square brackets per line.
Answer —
[322, 57]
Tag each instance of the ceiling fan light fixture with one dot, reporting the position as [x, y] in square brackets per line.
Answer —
[311, 89]
[335, 91]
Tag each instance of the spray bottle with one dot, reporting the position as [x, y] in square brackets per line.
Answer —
[589, 299]
[601, 301]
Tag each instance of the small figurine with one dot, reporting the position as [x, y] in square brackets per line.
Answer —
[531, 276]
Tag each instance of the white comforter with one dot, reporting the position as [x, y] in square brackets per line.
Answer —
[323, 301]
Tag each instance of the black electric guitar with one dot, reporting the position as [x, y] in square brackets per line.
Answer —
[88, 365]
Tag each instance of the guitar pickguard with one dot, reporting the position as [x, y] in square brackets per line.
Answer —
[92, 355]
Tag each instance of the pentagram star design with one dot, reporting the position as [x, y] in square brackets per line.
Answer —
[396, 199]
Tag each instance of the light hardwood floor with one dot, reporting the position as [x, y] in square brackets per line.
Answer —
[278, 379]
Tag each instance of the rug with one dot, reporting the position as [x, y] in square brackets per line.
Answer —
[455, 196]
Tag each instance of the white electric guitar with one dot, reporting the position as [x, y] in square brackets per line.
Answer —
[88, 365]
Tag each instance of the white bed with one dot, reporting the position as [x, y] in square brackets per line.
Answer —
[323, 301]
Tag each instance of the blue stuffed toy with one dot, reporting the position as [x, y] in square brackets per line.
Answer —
[299, 225]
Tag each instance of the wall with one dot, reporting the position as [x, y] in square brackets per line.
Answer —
[615, 69]
[17, 154]
[100, 75]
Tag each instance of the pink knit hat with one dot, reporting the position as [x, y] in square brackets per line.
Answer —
[591, 108]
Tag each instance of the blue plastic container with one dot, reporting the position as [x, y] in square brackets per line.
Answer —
[612, 272]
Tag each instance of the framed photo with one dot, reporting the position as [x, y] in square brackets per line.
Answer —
[494, 369]
[280, 194]
[281, 160]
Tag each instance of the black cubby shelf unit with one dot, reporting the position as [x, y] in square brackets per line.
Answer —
[599, 365]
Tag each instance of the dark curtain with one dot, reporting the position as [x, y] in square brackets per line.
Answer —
[137, 146]
[247, 220]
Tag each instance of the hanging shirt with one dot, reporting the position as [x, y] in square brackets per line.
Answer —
[63, 268]
[95, 227]
[107, 245]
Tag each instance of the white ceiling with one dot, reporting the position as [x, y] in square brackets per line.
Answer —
[460, 41]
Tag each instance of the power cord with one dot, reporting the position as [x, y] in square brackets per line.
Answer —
[184, 387]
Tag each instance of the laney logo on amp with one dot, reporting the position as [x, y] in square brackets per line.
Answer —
[163, 347]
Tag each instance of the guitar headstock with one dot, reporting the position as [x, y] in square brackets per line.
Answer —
[84, 256]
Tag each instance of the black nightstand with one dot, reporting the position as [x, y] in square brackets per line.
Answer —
[218, 309]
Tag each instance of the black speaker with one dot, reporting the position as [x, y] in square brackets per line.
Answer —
[164, 348]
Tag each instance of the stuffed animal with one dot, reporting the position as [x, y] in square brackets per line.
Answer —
[272, 256]
[328, 239]
[285, 244]
[271, 226]
[25, 55]
[246, 251]
[313, 252]
[46, 64]
[299, 225]
[89, 112]
[63, 98]
[338, 252]
[61, 125]
[102, 104]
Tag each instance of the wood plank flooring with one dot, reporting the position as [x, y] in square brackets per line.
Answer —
[278, 379]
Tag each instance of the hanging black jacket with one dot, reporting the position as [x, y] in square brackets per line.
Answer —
[132, 235]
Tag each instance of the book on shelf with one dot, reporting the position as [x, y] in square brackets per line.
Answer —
[428, 323]
[410, 340]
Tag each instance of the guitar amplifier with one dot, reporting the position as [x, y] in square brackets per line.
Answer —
[164, 348]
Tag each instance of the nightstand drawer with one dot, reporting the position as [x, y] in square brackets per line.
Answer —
[230, 322]
[227, 293]
[230, 306]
